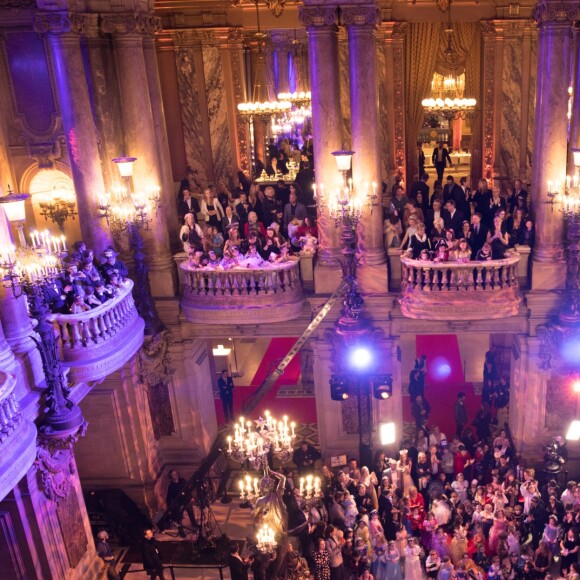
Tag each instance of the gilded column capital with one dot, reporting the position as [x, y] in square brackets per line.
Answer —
[487, 28]
[556, 12]
[127, 24]
[364, 16]
[61, 23]
[186, 39]
[319, 17]
[391, 30]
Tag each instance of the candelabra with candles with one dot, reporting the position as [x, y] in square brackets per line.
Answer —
[309, 491]
[123, 211]
[253, 444]
[266, 540]
[249, 490]
[58, 206]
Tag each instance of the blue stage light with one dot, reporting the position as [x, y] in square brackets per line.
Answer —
[440, 368]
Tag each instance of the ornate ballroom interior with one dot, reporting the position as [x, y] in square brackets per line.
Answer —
[83, 84]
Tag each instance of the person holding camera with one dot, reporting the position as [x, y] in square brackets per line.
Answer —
[179, 500]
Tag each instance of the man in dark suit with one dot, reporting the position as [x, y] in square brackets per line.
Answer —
[481, 197]
[188, 205]
[462, 203]
[440, 160]
[294, 210]
[151, 558]
[452, 218]
[477, 234]
[451, 190]
[229, 220]
[432, 214]
[421, 187]
[518, 191]
[238, 565]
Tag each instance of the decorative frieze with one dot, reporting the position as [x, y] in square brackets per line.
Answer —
[560, 12]
[319, 17]
[360, 16]
[60, 23]
[123, 24]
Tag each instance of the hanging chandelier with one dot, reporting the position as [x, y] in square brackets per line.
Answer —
[258, 109]
[447, 91]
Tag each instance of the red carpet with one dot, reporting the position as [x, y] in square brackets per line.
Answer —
[300, 409]
[444, 381]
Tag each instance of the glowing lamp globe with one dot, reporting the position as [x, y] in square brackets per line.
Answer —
[576, 156]
[125, 165]
[221, 350]
[360, 358]
[13, 205]
[343, 159]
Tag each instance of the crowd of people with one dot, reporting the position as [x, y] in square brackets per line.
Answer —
[247, 229]
[454, 222]
[85, 282]
[446, 506]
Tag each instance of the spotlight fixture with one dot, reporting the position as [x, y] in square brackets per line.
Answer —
[338, 388]
[360, 358]
[383, 387]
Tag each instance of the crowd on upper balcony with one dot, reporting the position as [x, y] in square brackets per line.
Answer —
[455, 222]
[85, 281]
[255, 225]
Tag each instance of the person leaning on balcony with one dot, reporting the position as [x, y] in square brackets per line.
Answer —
[190, 234]
[419, 241]
[110, 265]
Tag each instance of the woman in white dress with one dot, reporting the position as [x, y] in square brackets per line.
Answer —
[405, 465]
[412, 563]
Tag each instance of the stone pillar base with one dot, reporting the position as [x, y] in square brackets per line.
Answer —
[373, 279]
[548, 275]
[326, 278]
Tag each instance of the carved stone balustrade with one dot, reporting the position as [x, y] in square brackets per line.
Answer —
[17, 437]
[458, 290]
[242, 295]
[98, 342]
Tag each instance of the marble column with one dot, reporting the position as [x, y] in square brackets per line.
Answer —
[19, 334]
[361, 22]
[393, 104]
[64, 32]
[170, 93]
[168, 211]
[321, 26]
[140, 135]
[282, 80]
[575, 120]
[554, 21]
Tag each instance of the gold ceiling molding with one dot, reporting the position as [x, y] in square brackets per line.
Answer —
[275, 6]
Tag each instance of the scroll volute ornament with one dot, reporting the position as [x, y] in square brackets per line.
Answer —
[559, 12]
[130, 24]
[58, 23]
[360, 16]
[319, 17]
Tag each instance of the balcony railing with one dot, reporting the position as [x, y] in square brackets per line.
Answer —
[98, 342]
[17, 437]
[272, 294]
[469, 290]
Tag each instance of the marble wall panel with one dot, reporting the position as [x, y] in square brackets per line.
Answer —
[344, 90]
[383, 112]
[532, 105]
[511, 108]
[223, 165]
[190, 83]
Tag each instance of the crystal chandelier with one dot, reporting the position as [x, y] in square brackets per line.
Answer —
[256, 109]
[447, 98]
[252, 444]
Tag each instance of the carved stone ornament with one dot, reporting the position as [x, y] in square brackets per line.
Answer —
[155, 360]
[58, 23]
[130, 24]
[319, 16]
[276, 6]
[55, 465]
[561, 12]
[360, 16]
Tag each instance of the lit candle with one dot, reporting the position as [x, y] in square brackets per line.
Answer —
[229, 444]
[256, 485]
[550, 183]
[241, 485]
[293, 425]
[568, 181]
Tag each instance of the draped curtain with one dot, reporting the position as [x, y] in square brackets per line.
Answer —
[421, 52]
[425, 46]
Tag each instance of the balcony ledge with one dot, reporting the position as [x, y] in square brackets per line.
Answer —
[96, 343]
[456, 290]
[242, 295]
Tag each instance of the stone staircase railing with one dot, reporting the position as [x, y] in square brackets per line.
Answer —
[271, 294]
[96, 343]
[467, 290]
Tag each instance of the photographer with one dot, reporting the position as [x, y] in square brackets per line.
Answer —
[179, 500]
